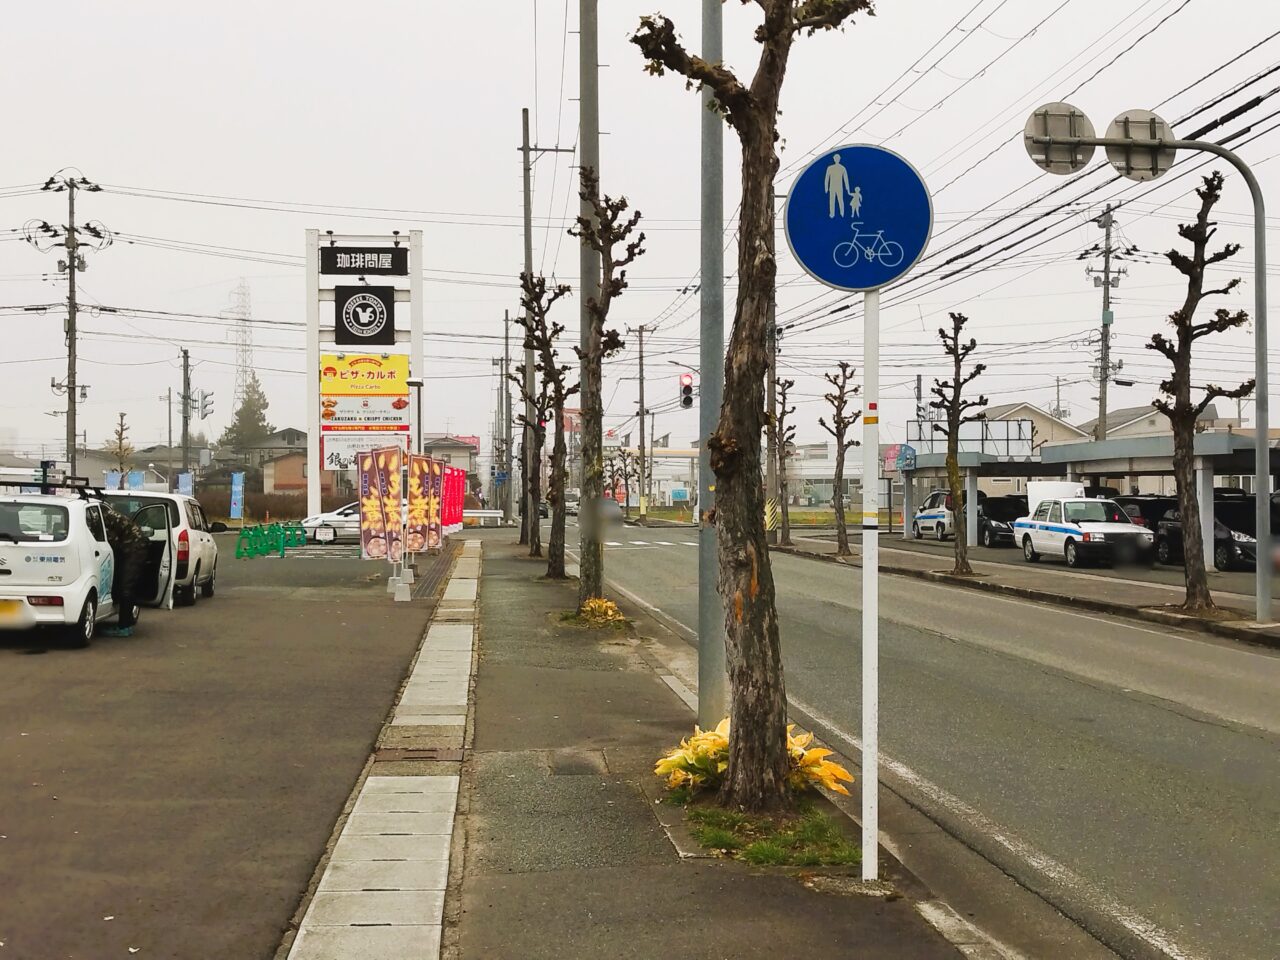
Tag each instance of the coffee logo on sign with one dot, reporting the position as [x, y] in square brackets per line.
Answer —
[364, 315]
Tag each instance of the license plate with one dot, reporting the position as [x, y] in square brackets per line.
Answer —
[325, 534]
[10, 610]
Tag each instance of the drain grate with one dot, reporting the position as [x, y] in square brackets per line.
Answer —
[444, 754]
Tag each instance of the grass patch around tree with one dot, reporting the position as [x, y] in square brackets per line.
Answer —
[806, 838]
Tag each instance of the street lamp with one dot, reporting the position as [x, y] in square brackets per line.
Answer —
[416, 384]
[1060, 139]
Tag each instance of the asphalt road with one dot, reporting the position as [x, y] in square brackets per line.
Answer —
[173, 791]
[1130, 774]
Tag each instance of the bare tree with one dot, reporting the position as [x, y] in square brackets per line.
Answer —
[951, 402]
[540, 401]
[1177, 403]
[841, 420]
[611, 233]
[540, 335]
[629, 468]
[784, 439]
[120, 448]
[756, 777]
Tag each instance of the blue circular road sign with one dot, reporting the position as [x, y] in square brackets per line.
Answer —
[858, 217]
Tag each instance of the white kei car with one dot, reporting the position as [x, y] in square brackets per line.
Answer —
[57, 568]
[340, 524]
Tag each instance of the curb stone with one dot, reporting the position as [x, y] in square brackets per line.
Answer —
[1233, 630]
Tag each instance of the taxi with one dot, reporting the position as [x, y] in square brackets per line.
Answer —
[1081, 531]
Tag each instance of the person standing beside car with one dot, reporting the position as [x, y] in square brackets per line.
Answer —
[130, 549]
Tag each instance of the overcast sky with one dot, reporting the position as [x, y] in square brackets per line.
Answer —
[315, 109]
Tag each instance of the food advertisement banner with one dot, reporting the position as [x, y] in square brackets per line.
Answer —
[435, 506]
[338, 451]
[340, 414]
[415, 533]
[373, 531]
[388, 463]
[358, 374]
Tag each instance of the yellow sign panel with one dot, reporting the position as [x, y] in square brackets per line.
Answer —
[364, 374]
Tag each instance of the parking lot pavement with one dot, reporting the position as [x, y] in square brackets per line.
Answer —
[172, 792]
[1134, 585]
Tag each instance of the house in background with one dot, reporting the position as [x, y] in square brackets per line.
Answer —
[456, 451]
[1147, 421]
[288, 440]
[287, 473]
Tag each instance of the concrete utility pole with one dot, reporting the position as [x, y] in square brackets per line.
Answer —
[168, 463]
[643, 473]
[713, 696]
[186, 410]
[72, 244]
[506, 420]
[1104, 357]
[771, 400]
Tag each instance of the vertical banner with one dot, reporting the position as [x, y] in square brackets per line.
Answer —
[186, 486]
[389, 462]
[135, 480]
[415, 534]
[434, 505]
[373, 532]
[237, 495]
[112, 480]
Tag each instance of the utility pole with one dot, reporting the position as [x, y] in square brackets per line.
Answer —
[168, 477]
[73, 257]
[186, 410]
[713, 695]
[641, 478]
[527, 149]
[653, 443]
[919, 397]
[771, 400]
[506, 420]
[1104, 356]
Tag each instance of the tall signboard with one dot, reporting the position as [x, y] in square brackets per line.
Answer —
[858, 218]
[360, 352]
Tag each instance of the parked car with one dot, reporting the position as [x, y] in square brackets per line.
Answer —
[610, 510]
[572, 500]
[340, 524]
[995, 519]
[58, 570]
[544, 509]
[195, 552]
[1083, 530]
[1233, 535]
[1146, 510]
[935, 516]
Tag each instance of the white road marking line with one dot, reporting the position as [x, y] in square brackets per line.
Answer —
[1132, 921]
[639, 543]
[690, 543]
[964, 936]
[613, 543]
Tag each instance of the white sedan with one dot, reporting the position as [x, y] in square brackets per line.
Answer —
[1080, 531]
[340, 524]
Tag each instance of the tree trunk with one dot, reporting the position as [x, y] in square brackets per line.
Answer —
[626, 491]
[535, 493]
[1196, 576]
[960, 567]
[524, 498]
[555, 545]
[758, 760]
[590, 547]
[842, 530]
[784, 535]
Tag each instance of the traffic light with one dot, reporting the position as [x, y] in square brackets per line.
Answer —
[686, 390]
[206, 404]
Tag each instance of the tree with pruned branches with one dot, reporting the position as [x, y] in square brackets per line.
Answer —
[120, 448]
[756, 776]
[1177, 403]
[842, 419]
[955, 408]
[610, 231]
[783, 441]
[540, 402]
[540, 336]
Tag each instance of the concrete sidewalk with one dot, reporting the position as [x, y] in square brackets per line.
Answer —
[1112, 594]
[564, 857]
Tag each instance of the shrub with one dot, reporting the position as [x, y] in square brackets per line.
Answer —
[700, 761]
[600, 612]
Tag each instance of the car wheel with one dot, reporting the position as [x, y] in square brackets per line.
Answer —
[986, 537]
[208, 588]
[1072, 554]
[81, 634]
[940, 532]
[1163, 553]
[915, 531]
[1222, 557]
[1028, 551]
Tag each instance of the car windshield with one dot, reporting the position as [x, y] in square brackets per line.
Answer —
[130, 503]
[33, 522]
[1236, 515]
[999, 508]
[1094, 511]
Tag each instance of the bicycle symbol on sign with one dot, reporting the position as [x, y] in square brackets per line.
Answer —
[873, 246]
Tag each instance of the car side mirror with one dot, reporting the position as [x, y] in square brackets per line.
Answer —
[218, 527]
[147, 533]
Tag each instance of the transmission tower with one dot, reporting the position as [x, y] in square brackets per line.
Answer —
[242, 313]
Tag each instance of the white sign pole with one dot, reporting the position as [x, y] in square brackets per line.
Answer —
[870, 584]
[417, 431]
[314, 465]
